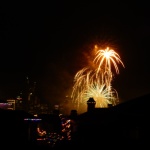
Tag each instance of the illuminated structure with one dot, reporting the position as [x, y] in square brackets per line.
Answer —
[19, 103]
[15, 104]
[30, 100]
[12, 103]
[4, 105]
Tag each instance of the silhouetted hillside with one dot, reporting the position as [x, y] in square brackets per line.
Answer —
[123, 126]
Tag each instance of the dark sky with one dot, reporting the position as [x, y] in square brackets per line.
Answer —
[46, 42]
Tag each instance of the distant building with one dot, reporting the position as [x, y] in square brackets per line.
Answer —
[12, 103]
[4, 104]
[91, 104]
[19, 103]
[15, 104]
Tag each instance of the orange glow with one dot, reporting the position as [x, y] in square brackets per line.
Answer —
[96, 83]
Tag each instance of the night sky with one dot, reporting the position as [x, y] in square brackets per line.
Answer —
[48, 42]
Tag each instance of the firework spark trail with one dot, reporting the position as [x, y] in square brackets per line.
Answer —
[88, 84]
[104, 58]
[107, 56]
[101, 94]
[96, 88]
[96, 83]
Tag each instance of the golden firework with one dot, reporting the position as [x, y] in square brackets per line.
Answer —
[96, 82]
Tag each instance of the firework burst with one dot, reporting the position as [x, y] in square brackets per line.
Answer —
[107, 57]
[96, 83]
